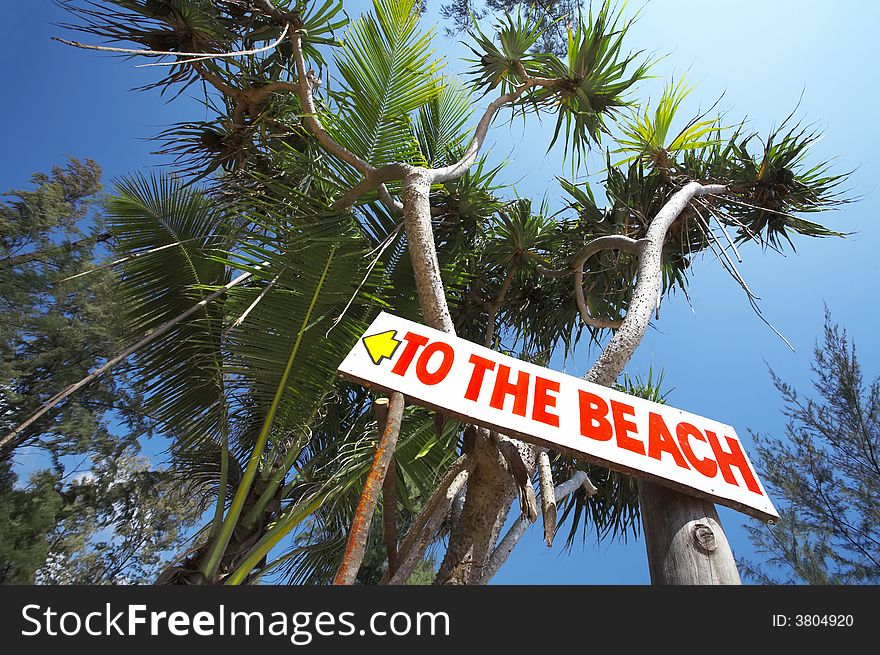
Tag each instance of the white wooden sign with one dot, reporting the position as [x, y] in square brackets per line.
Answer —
[690, 453]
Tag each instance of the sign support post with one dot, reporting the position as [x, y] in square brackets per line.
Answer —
[684, 540]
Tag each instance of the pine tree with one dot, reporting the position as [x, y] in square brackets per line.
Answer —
[94, 511]
[826, 472]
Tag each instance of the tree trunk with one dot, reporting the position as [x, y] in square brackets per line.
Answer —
[186, 570]
[423, 252]
[490, 492]
[685, 542]
[355, 547]
[490, 488]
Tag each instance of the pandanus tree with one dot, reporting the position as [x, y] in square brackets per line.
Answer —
[337, 187]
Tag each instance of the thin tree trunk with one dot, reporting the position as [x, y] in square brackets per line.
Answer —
[389, 517]
[360, 525]
[490, 488]
[389, 494]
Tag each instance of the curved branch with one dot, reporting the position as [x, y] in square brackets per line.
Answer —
[648, 287]
[608, 242]
[217, 82]
[590, 248]
[310, 114]
[258, 94]
[457, 169]
[619, 242]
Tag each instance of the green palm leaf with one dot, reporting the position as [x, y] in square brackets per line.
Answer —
[387, 66]
[439, 126]
[182, 369]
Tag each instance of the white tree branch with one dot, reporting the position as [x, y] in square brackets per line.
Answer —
[310, 114]
[648, 286]
[198, 56]
[518, 529]
[191, 57]
[457, 169]
[548, 497]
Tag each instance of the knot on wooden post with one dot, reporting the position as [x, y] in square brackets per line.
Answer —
[704, 537]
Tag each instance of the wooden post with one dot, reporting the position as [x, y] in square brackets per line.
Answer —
[389, 492]
[684, 539]
[363, 515]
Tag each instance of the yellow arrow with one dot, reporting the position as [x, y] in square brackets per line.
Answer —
[382, 345]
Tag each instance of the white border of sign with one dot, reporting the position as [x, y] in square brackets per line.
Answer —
[448, 395]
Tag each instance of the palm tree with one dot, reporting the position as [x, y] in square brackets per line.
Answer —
[331, 201]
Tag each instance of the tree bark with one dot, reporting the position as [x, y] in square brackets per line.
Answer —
[490, 492]
[423, 252]
[389, 496]
[490, 488]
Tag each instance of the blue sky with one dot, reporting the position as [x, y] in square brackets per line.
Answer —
[760, 56]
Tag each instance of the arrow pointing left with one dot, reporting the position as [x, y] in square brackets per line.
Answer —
[381, 345]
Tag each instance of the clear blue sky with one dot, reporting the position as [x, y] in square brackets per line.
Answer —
[761, 55]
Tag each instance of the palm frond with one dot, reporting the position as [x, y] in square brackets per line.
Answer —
[387, 66]
[182, 371]
[439, 125]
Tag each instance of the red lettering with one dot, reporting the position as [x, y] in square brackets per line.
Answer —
[443, 370]
[481, 365]
[736, 458]
[543, 400]
[413, 343]
[683, 433]
[623, 427]
[594, 411]
[504, 387]
[660, 440]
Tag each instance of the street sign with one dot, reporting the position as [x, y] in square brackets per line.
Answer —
[690, 453]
